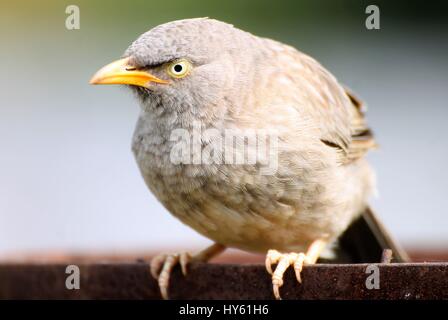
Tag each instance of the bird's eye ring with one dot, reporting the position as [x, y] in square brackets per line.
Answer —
[179, 68]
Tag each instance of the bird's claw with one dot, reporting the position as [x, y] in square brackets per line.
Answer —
[283, 261]
[162, 265]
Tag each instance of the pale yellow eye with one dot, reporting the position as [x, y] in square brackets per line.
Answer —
[179, 68]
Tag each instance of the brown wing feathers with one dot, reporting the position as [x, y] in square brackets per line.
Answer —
[362, 137]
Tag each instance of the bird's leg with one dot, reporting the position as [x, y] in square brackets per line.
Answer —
[297, 260]
[162, 264]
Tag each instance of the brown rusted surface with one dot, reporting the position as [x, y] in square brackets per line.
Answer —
[229, 256]
[224, 281]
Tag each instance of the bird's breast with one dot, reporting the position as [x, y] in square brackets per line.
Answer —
[235, 205]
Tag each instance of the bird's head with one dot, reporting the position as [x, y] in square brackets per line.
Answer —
[189, 61]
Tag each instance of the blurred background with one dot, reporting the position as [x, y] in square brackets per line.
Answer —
[68, 180]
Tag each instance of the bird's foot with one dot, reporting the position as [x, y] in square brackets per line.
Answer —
[285, 260]
[162, 265]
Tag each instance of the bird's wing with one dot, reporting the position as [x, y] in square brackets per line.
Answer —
[336, 111]
[340, 119]
[362, 139]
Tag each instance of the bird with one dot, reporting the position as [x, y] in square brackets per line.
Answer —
[200, 80]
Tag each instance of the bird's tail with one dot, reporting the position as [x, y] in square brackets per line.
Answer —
[383, 236]
[365, 239]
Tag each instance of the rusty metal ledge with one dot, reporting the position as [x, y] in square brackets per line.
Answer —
[224, 281]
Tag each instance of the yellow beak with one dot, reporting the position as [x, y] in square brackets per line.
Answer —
[121, 72]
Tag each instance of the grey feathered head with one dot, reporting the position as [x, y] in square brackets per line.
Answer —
[184, 62]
